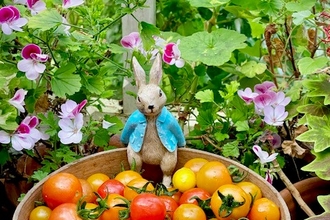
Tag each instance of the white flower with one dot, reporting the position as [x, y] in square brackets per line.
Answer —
[70, 132]
[106, 124]
[264, 157]
[18, 100]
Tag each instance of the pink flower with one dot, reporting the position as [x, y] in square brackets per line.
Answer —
[275, 115]
[172, 55]
[275, 141]
[18, 100]
[264, 157]
[280, 99]
[70, 132]
[32, 56]
[36, 6]
[269, 177]
[70, 109]
[4, 137]
[264, 99]
[10, 19]
[263, 87]
[247, 95]
[22, 2]
[132, 41]
[326, 30]
[72, 3]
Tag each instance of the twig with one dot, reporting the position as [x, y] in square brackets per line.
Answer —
[294, 192]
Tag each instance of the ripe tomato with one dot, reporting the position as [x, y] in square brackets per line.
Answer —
[264, 209]
[96, 180]
[61, 188]
[111, 186]
[187, 196]
[195, 164]
[137, 183]
[113, 212]
[232, 200]
[251, 189]
[212, 175]
[87, 191]
[184, 179]
[126, 176]
[170, 204]
[40, 213]
[189, 212]
[176, 196]
[147, 206]
[65, 211]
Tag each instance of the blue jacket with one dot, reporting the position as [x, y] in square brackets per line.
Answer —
[169, 131]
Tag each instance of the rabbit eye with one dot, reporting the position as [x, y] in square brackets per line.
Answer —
[139, 99]
[160, 93]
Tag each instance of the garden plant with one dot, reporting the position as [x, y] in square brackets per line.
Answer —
[253, 75]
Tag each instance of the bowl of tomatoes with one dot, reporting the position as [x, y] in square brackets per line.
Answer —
[191, 188]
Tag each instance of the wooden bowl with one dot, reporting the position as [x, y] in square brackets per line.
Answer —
[108, 162]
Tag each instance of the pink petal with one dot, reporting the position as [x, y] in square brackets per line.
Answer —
[23, 129]
[6, 29]
[167, 59]
[4, 137]
[79, 107]
[29, 49]
[21, 141]
[32, 74]
[17, 14]
[264, 87]
[31, 121]
[6, 14]
[72, 3]
[39, 67]
[19, 95]
[66, 124]
[30, 3]
[262, 100]
[131, 41]
[25, 65]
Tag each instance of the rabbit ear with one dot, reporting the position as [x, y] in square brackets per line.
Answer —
[156, 70]
[139, 73]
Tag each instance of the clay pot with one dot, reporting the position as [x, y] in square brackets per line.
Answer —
[309, 189]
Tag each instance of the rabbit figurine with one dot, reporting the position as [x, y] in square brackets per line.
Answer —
[152, 132]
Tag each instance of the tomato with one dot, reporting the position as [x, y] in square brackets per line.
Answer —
[212, 175]
[177, 195]
[251, 189]
[137, 183]
[113, 212]
[189, 212]
[87, 191]
[147, 206]
[232, 200]
[170, 204]
[111, 186]
[184, 179]
[65, 211]
[187, 196]
[127, 175]
[264, 209]
[40, 213]
[195, 164]
[61, 188]
[96, 180]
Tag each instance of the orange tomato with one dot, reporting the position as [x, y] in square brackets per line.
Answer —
[87, 191]
[264, 209]
[195, 164]
[137, 183]
[96, 180]
[189, 212]
[113, 212]
[251, 189]
[126, 176]
[40, 213]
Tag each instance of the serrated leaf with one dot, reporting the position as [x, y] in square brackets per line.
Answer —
[320, 164]
[252, 68]
[205, 118]
[318, 88]
[309, 65]
[39, 175]
[101, 138]
[213, 48]
[207, 3]
[230, 149]
[65, 82]
[323, 216]
[301, 5]
[295, 90]
[271, 7]
[45, 20]
[147, 32]
[242, 126]
[324, 201]
[300, 17]
[205, 96]
[94, 84]
[220, 136]
[319, 132]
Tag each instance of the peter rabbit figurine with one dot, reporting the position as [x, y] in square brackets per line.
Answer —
[152, 132]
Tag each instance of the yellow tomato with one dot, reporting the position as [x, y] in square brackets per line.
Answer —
[264, 209]
[251, 189]
[126, 176]
[195, 164]
[40, 213]
[184, 179]
[96, 180]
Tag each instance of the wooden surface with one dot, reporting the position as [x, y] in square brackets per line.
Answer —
[108, 162]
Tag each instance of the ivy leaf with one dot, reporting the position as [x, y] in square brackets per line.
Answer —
[207, 3]
[308, 65]
[319, 132]
[231, 149]
[320, 164]
[242, 126]
[319, 88]
[252, 68]
[147, 32]
[295, 90]
[101, 138]
[301, 5]
[65, 82]
[205, 96]
[324, 201]
[213, 49]
[45, 20]
[316, 109]
[323, 216]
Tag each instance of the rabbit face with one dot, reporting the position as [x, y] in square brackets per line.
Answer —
[150, 100]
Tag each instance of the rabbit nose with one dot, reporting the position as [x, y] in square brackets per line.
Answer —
[151, 107]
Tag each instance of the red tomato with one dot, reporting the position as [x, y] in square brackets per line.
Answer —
[170, 204]
[61, 188]
[65, 211]
[147, 206]
[187, 196]
[111, 186]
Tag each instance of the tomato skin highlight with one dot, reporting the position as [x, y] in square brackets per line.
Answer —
[40, 213]
[111, 186]
[61, 188]
[147, 206]
[264, 208]
[65, 211]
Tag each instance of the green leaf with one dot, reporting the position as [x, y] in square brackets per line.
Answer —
[309, 65]
[205, 96]
[205, 118]
[65, 82]
[300, 17]
[231, 149]
[207, 3]
[147, 32]
[318, 88]
[324, 201]
[118, 124]
[45, 20]
[220, 136]
[212, 49]
[319, 132]
[271, 7]
[94, 84]
[320, 164]
[295, 91]
[301, 5]
[4, 156]
[252, 68]
[242, 126]
[39, 175]
[323, 216]
[50, 121]
[101, 138]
